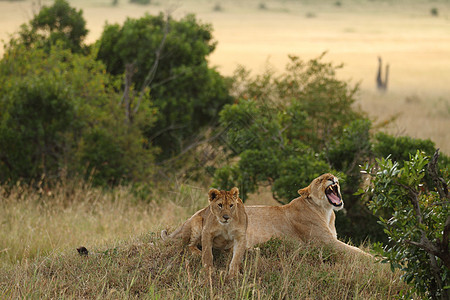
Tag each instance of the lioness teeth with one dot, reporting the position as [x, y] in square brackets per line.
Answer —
[330, 189]
[333, 195]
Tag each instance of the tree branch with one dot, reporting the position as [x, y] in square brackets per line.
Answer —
[151, 74]
[173, 77]
[193, 145]
[439, 182]
[425, 245]
[171, 127]
[130, 69]
[435, 270]
[414, 201]
[446, 235]
[274, 196]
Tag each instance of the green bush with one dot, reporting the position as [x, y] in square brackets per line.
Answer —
[37, 116]
[415, 215]
[56, 23]
[217, 7]
[280, 126]
[169, 56]
[434, 12]
[143, 2]
[262, 6]
[287, 129]
[400, 148]
[60, 114]
[346, 152]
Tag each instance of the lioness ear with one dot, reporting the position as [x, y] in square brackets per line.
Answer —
[303, 191]
[213, 193]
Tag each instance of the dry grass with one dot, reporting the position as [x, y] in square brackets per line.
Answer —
[146, 268]
[37, 223]
[419, 115]
[42, 229]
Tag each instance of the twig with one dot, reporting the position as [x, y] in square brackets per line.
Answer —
[171, 127]
[441, 249]
[151, 74]
[173, 77]
[193, 145]
[414, 201]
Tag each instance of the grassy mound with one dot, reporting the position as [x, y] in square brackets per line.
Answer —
[146, 267]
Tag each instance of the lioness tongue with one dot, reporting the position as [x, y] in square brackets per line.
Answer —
[335, 199]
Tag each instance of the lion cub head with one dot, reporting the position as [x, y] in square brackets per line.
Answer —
[224, 204]
[325, 191]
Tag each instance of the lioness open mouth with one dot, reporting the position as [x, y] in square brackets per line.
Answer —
[333, 195]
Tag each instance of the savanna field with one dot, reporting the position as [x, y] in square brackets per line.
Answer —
[133, 152]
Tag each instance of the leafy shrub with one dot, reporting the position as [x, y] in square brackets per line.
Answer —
[287, 129]
[434, 12]
[415, 214]
[56, 23]
[37, 115]
[143, 2]
[346, 152]
[59, 113]
[280, 126]
[169, 56]
[400, 148]
[352, 146]
[217, 7]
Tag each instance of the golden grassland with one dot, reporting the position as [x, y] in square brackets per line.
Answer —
[35, 224]
[255, 33]
[144, 268]
[40, 230]
[127, 259]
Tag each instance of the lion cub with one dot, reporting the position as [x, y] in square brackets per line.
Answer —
[222, 225]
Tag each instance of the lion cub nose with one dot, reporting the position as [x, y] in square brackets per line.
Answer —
[226, 217]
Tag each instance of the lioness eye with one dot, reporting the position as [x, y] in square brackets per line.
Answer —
[231, 205]
[220, 205]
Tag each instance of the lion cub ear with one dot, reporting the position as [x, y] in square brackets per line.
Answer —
[212, 194]
[235, 193]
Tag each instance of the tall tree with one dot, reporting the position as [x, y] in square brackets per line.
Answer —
[168, 59]
[56, 23]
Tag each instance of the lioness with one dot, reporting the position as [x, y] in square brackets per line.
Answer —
[308, 217]
[221, 225]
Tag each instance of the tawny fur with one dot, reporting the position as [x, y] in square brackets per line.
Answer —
[309, 217]
[222, 225]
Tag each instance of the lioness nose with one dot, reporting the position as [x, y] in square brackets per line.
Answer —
[226, 217]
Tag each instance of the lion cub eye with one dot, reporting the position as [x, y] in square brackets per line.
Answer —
[231, 205]
[220, 205]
